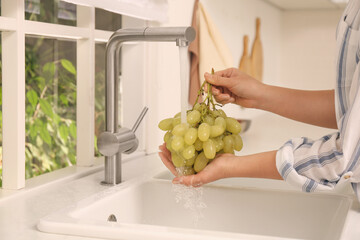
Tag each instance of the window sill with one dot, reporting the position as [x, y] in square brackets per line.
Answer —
[60, 176]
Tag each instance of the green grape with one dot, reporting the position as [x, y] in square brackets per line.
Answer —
[204, 132]
[191, 136]
[188, 152]
[166, 124]
[220, 121]
[238, 143]
[197, 107]
[219, 144]
[177, 160]
[203, 107]
[190, 162]
[228, 144]
[216, 130]
[187, 170]
[193, 117]
[232, 125]
[198, 145]
[209, 149]
[222, 113]
[215, 113]
[177, 143]
[168, 144]
[167, 136]
[180, 129]
[200, 162]
[176, 121]
[209, 119]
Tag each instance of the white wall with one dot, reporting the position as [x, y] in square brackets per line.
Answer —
[308, 49]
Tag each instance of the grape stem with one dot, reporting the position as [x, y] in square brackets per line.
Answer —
[209, 100]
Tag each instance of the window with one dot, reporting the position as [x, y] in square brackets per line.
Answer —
[50, 119]
[107, 21]
[51, 11]
[58, 43]
[99, 91]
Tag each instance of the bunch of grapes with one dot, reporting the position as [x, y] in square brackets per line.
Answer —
[206, 133]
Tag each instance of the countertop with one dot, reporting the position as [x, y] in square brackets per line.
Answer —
[21, 211]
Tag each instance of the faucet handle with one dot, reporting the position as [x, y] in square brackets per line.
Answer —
[140, 118]
[123, 141]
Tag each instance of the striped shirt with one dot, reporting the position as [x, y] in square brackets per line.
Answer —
[333, 160]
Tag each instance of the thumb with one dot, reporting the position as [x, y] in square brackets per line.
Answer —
[218, 80]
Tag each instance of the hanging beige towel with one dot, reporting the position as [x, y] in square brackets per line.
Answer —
[214, 53]
[194, 58]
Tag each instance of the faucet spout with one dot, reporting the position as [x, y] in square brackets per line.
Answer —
[182, 36]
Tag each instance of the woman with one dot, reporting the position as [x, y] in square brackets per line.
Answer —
[310, 165]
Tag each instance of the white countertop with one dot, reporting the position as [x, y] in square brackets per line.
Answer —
[20, 212]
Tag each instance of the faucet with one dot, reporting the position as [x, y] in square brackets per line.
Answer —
[113, 142]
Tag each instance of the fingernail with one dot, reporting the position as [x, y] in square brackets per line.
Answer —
[207, 74]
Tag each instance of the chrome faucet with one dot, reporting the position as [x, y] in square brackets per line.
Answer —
[115, 141]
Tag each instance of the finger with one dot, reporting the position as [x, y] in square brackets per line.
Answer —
[231, 100]
[217, 90]
[218, 80]
[168, 163]
[220, 101]
[191, 180]
[229, 72]
[166, 160]
[222, 97]
[165, 151]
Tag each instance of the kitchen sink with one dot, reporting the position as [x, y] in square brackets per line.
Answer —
[146, 208]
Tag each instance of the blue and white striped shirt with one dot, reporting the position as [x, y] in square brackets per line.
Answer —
[333, 160]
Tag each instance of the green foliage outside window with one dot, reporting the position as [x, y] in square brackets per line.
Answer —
[50, 119]
[50, 115]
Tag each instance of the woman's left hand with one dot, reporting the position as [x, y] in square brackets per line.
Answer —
[217, 169]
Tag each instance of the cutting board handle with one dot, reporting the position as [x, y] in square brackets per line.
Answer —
[246, 44]
[258, 23]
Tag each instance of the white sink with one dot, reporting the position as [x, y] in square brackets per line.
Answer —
[145, 208]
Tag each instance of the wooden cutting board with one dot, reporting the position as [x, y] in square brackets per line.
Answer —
[257, 54]
[245, 64]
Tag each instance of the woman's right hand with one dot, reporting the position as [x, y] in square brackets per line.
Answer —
[233, 86]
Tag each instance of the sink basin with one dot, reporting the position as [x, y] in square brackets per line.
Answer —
[145, 208]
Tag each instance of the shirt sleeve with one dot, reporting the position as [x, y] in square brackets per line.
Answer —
[312, 165]
[333, 159]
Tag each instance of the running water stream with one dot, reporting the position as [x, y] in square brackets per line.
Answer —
[190, 197]
[184, 80]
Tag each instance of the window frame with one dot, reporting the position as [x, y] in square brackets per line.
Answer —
[14, 29]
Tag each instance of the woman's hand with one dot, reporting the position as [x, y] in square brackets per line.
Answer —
[260, 165]
[217, 169]
[313, 107]
[233, 86]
